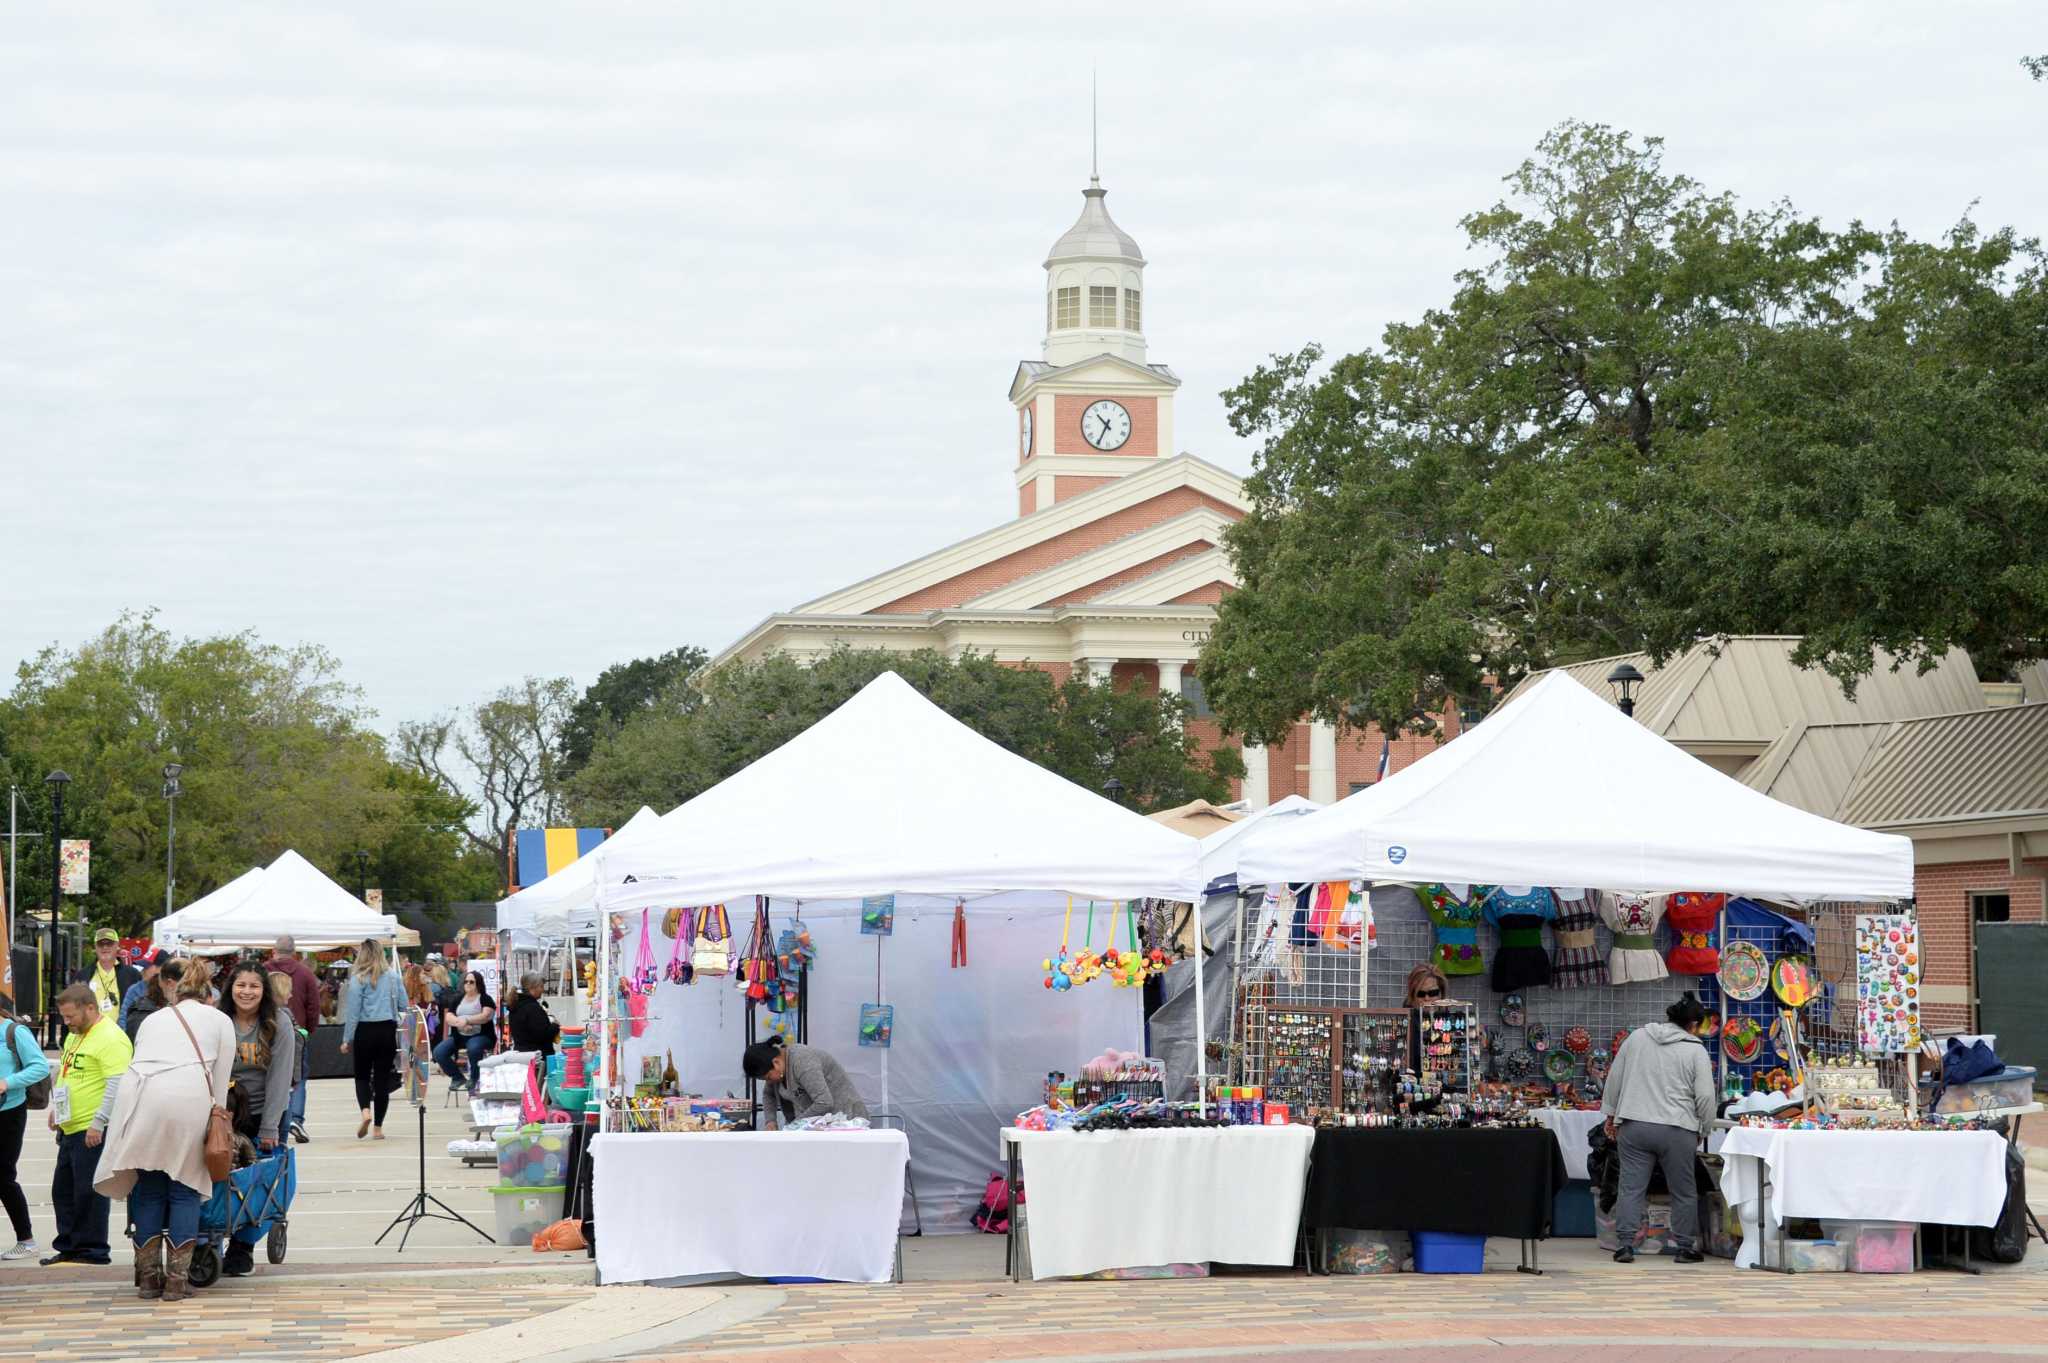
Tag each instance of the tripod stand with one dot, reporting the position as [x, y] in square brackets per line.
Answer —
[416, 1211]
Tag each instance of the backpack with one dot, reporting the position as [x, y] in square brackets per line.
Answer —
[36, 1096]
[2005, 1242]
[993, 1215]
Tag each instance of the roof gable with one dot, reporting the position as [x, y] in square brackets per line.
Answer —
[1970, 766]
[1104, 368]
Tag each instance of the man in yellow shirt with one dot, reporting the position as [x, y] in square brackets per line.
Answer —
[95, 1056]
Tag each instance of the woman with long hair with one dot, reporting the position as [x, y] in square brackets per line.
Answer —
[369, 1029]
[266, 1043]
[22, 1063]
[467, 1026]
[155, 1153]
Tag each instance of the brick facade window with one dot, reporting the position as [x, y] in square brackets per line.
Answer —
[1131, 312]
[1991, 908]
[1191, 691]
[1067, 307]
[1102, 305]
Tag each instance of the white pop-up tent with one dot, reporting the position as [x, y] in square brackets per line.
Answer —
[565, 903]
[288, 897]
[167, 931]
[889, 794]
[1560, 788]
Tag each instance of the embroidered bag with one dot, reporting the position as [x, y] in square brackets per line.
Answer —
[712, 953]
[679, 971]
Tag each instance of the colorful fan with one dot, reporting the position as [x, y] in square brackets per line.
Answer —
[1744, 973]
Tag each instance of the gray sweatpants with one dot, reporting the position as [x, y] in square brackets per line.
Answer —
[1646, 1144]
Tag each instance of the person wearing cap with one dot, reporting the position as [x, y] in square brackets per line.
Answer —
[110, 977]
[151, 964]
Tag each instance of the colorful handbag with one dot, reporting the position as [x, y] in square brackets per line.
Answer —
[644, 973]
[759, 968]
[712, 953]
[679, 971]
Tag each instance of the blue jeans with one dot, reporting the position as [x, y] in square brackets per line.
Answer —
[159, 1203]
[477, 1046]
[295, 1110]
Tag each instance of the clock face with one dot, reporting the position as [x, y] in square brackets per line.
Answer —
[1024, 435]
[1106, 425]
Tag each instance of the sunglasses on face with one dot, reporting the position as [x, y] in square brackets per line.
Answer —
[1429, 993]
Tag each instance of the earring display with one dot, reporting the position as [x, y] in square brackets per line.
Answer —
[1375, 1056]
[1449, 1033]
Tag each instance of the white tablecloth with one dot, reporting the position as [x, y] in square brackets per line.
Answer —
[1122, 1199]
[772, 1204]
[1954, 1178]
[1571, 1127]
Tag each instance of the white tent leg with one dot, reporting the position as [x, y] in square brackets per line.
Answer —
[1201, 1022]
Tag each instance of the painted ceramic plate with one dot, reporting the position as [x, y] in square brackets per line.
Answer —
[1578, 1040]
[1792, 980]
[1742, 1040]
[1744, 973]
[1558, 1066]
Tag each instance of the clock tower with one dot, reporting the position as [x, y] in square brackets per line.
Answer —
[1093, 408]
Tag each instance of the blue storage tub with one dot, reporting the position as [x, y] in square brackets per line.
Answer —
[1438, 1252]
[1571, 1214]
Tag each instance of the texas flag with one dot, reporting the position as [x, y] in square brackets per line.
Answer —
[1386, 758]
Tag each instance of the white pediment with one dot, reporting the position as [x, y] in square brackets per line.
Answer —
[1176, 579]
[1105, 372]
[1203, 524]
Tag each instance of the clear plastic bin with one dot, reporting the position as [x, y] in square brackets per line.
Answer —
[522, 1212]
[1807, 1256]
[533, 1156]
[1874, 1246]
[2012, 1086]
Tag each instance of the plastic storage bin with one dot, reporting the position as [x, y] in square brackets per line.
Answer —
[2012, 1086]
[1874, 1246]
[522, 1212]
[533, 1156]
[1571, 1214]
[1807, 1256]
[1438, 1252]
[1367, 1251]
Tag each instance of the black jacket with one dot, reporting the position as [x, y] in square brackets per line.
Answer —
[124, 976]
[532, 1028]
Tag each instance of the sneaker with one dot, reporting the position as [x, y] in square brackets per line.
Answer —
[61, 1257]
[239, 1261]
[299, 1134]
[23, 1249]
[1624, 1255]
[458, 1085]
[1691, 1256]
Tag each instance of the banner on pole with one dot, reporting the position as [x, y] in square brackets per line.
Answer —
[74, 872]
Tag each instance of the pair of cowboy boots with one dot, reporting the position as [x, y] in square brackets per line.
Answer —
[161, 1271]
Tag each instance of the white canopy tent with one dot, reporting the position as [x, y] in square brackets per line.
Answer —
[889, 795]
[289, 897]
[1222, 849]
[1560, 788]
[166, 932]
[565, 903]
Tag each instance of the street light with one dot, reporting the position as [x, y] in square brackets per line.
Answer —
[1114, 790]
[1625, 679]
[362, 861]
[172, 790]
[54, 969]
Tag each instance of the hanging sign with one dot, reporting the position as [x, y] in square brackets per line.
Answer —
[878, 915]
[74, 874]
[1887, 983]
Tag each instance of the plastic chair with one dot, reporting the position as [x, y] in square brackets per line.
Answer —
[895, 1121]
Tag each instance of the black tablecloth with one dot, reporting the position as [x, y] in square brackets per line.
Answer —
[1467, 1182]
[324, 1059]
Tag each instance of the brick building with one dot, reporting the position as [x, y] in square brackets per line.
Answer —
[1114, 563]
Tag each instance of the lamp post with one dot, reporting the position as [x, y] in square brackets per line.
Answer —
[172, 790]
[362, 861]
[1625, 679]
[54, 967]
[1113, 789]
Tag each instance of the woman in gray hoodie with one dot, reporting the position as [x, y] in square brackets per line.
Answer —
[1658, 1100]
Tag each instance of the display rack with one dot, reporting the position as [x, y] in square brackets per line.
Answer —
[1375, 1052]
[1446, 1036]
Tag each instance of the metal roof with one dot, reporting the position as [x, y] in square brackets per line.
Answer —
[1747, 689]
[1093, 235]
[1977, 765]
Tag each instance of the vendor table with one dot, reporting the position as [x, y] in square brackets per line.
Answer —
[1465, 1181]
[1126, 1199]
[1571, 1127]
[772, 1204]
[1954, 1178]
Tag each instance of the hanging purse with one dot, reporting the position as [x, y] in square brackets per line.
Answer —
[219, 1142]
[712, 954]
[679, 971]
[760, 961]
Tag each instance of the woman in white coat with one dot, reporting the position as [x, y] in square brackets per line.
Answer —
[155, 1154]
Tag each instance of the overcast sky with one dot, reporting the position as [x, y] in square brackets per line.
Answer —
[480, 340]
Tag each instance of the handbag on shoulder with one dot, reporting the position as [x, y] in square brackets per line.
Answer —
[219, 1142]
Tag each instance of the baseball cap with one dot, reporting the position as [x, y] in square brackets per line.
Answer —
[157, 957]
[105, 935]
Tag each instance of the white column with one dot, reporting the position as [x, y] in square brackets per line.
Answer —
[1098, 669]
[1169, 676]
[1322, 762]
[1256, 769]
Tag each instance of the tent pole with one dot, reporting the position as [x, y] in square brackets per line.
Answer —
[1201, 1019]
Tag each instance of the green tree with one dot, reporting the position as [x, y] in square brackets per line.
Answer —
[622, 691]
[274, 744]
[680, 747]
[507, 750]
[1583, 452]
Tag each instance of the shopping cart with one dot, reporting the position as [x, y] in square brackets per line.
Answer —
[259, 1196]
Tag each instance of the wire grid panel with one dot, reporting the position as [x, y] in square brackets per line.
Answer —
[1404, 939]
